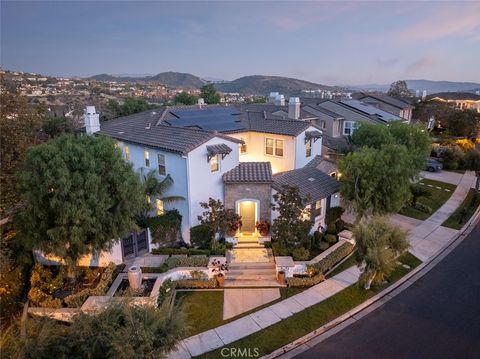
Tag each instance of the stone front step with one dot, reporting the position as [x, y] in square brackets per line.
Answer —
[248, 245]
[251, 265]
[248, 283]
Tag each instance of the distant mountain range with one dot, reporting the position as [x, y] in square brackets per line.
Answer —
[430, 86]
[257, 84]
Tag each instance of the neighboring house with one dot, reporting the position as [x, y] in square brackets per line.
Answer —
[460, 100]
[387, 103]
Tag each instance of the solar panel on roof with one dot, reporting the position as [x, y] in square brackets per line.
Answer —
[219, 119]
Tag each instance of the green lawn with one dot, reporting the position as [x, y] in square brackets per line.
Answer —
[466, 210]
[437, 198]
[203, 310]
[296, 326]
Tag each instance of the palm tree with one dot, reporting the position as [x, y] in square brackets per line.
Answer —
[154, 188]
[378, 245]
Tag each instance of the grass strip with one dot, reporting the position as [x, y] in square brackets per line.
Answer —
[465, 211]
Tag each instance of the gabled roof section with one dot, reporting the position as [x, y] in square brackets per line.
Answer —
[455, 96]
[386, 99]
[310, 181]
[249, 172]
[371, 110]
[323, 164]
[142, 129]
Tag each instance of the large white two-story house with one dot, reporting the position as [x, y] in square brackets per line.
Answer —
[237, 155]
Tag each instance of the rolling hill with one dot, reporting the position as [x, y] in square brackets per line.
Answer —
[263, 85]
[430, 86]
[171, 79]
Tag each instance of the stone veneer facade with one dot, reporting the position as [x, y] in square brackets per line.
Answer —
[261, 192]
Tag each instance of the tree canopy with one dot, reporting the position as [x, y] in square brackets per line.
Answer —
[129, 107]
[399, 89]
[209, 94]
[378, 245]
[185, 98]
[79, 197]
[20, 127]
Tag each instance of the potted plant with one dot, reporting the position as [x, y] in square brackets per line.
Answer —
[263, 227]
[219, 269]
[281, 276]
[234, 227]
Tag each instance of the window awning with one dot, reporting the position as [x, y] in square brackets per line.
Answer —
[315, 135]
[220, 149]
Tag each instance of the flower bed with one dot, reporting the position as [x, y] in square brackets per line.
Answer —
[305, 281]
[49, 287]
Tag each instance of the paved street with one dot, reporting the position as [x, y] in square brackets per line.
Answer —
[437, 317]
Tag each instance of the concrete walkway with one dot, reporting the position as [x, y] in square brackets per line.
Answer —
[430, 237]
[249, 324]
[426, 239]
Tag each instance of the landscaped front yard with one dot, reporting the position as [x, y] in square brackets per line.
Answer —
[302, 323]
[440, 192]
[203, 310]
[466, 210]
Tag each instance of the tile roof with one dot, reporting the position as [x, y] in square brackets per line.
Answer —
[310, 181]
[455, 96]
[335, 143]
[323, 164]
[253, 172]
[141, 128]
[386, 99]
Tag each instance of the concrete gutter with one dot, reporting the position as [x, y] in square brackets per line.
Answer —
[319, 335]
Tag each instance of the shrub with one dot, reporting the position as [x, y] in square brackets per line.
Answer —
[333, 258]
[197, 274]
[331, 239]
[165, 228]
[324, 246]
[423, 208]
[307, 243]
[193, 261]
[333, 214]
[279, 250]
[305, 281]
[196, 283]
[162, 269]
[317, 239]
[340, 225]
[164, 291]
[201, 236]
[300, 254]
[332, 229]
[76, 300]
[177, 251]
[267, 244]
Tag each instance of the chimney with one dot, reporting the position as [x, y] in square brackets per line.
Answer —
[272, 97]
[92, 120]
[294, 108]
[200, 103]
[280, 100]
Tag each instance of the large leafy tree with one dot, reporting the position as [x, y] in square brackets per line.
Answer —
[209, 94]
[378, 245]
[376, 181]
[185, 98]
[293, 224]
[129, 107]
[20, 127]
[399, 89]
[120, 331]
[79, 197]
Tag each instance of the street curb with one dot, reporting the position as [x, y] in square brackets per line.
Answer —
[343, 321]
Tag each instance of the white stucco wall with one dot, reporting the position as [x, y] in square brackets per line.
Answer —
[256, 150]
[301, 158]
[204, 184]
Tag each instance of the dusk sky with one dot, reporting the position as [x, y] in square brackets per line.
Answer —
[334, 43]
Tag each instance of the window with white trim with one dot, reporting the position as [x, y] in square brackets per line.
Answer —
[308, 148]
[274, 147]
[215, 163]
[159, 206]
[318, 208]
[162, 169]
[349, 127]
[146, 155]
[243, 146]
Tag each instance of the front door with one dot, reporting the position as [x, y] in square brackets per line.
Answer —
[248, 214]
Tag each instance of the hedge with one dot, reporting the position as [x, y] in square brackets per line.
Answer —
[305, 281]
[196, 283]
[194, 261]
[333, 258]
[165, 228]
[187, 251]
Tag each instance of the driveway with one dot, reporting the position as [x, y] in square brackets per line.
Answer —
[436, 317]
[443, 176]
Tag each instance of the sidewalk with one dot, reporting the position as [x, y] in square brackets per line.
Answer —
[430, 237]
[426, 239]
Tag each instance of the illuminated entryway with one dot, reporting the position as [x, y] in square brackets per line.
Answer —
[248, 210]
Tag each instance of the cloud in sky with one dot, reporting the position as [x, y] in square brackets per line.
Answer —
[420, 65]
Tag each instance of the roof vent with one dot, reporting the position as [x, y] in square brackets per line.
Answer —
[149, 126]
[311, 179]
